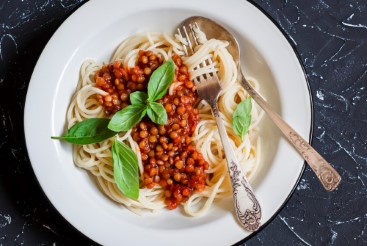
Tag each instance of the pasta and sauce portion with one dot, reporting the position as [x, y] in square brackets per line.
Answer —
[180, 161]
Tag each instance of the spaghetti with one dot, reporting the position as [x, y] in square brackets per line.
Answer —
[97, 158]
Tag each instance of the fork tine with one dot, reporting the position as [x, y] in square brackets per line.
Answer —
[189, 34]
[183, 45]
[196, 40]
[188, 39]
[189, 44]
[194, 34]
[215, 75]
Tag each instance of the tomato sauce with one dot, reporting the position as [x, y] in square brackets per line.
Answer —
[169, 158]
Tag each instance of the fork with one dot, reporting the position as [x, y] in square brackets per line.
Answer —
[247, 207]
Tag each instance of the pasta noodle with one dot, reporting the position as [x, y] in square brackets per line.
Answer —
[97, 158]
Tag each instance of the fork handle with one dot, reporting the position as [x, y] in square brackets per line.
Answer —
[247, 207]
[327, 175]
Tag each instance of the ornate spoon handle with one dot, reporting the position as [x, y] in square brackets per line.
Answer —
[247, 207]
[327, 175]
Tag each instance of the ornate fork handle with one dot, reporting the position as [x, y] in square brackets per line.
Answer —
[328, 176]
[247, 207]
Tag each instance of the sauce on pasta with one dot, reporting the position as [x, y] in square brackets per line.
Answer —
[196, 174]
[169, 159]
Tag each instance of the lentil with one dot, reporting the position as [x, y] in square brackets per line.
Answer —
[168, 157]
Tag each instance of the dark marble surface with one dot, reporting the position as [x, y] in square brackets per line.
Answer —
[330, 37]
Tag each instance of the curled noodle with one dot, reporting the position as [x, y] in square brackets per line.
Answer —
[97, 158]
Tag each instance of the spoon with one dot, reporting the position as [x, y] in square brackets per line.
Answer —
[327, 175]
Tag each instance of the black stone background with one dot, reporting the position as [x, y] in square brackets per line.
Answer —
[330, 37]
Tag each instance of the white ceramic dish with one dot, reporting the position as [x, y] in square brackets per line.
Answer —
[94, 31]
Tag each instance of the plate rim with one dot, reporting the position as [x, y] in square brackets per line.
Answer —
[311, 104]
[276, 24]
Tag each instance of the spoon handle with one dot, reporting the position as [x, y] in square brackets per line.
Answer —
[247, 207]
[327, 175]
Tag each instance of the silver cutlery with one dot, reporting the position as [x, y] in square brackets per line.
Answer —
[247, 207]
[327, 175]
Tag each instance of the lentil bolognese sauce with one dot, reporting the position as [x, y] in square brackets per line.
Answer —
[169, 159]
[179, 162]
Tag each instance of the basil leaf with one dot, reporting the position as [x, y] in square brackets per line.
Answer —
[241, 125]
[243, 108]
[138, 97]
[88, 131]
[157, 113]
[241, 119]
[160, 80]
[127, 118]
[125, 169]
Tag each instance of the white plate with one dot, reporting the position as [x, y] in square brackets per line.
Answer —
[94, 31]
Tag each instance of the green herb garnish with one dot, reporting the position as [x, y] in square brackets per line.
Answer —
[160, 80]
[157, 113]
[88, 132]
[128, 117]
[241, 118]
[125, 169]
[142, 103]
[125, 161]
[138, 97]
